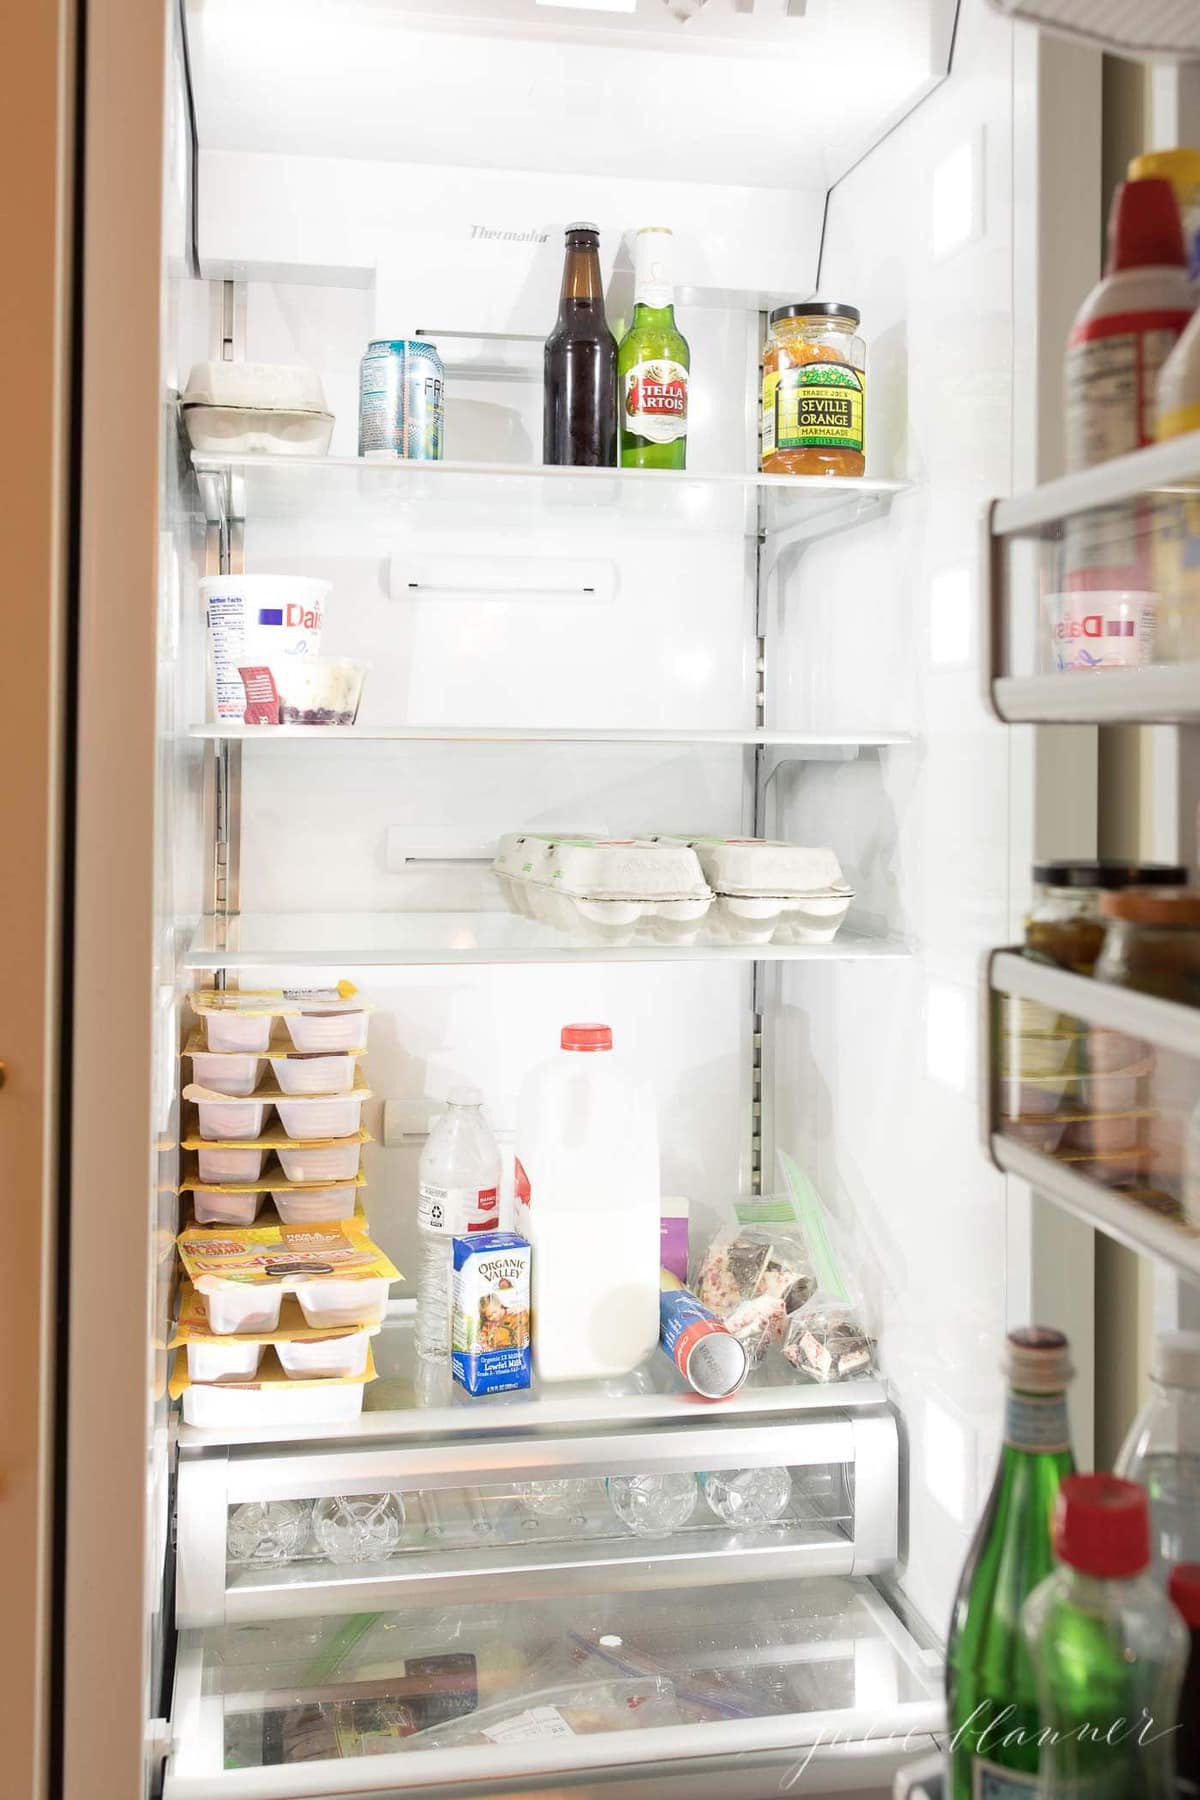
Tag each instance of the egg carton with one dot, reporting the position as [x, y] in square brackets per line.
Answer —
[769, 890]
[607, 888]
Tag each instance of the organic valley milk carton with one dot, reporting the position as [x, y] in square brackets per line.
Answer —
[490, 1343]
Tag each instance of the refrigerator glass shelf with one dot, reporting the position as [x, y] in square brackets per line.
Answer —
[503, 1690]
[359, 493]
[818, 742]
[411, 939]
[1095, 1101]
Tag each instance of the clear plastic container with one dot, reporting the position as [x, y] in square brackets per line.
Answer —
[340, 1356]
[1162, 1450]
[221, 1119]
[327, 1029]
[240, 1306]
[213, 1207]
[223, 1362]
[329, 1302]
[258, 1409]
[1107, 1647]
[310, 1074]
[225, 1074]
[232, 1030]
[312, 1162]
[318, 690]
[338, 1116]
[459, 1191]
[306, 1206]
[228, 1163]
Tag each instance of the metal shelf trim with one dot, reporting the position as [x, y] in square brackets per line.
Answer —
[1163, 1023]
[1158, 469]
[1165, 694]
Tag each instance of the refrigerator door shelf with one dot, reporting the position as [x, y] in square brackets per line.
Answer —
[1133, 1174]
[535, 1519]
[809, 1681]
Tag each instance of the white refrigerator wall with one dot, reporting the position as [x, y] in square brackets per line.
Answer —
[877, 1066]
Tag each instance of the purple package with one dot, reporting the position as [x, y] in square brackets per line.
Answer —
[674, 1248]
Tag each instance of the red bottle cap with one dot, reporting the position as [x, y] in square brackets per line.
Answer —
[587, 1037]
[1184, 1589]
[1102, 1526]
[1144, 227]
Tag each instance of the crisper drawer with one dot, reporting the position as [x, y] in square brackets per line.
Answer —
[794, 1686]
[265, 1535]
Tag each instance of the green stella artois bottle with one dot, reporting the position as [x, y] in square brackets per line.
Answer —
[652, 364]
[990, 1688]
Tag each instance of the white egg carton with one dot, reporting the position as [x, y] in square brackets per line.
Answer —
[603, 887]
[237, 408]
[768, 889]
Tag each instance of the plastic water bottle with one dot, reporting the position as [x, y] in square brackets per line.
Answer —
[653, 1505]
[1162, 1451]
[459, 1192]
[747, 1497]
[589, 1201]
[267, 1531]
[358, 1527]
[559, 1498]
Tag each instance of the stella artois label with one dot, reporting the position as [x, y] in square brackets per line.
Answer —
[655, 400]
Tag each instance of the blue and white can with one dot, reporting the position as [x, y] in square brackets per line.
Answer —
[400, 387]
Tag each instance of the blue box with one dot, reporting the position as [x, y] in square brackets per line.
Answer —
[491, 1334]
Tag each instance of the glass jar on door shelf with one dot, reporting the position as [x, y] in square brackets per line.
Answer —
[814, 391]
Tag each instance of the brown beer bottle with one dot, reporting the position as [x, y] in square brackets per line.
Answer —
[580, 417]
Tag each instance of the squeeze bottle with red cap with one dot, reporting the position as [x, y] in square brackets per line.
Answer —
[1108, 1651]
[1127, 326]
[588, 1200]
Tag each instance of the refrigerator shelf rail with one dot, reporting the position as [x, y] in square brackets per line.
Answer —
[1093, 1097]
[426, 939]
[359, 493]
[818, 744]
[466, 1524]
[1042, 554]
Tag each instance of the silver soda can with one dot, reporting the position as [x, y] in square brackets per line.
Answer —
[400, 382]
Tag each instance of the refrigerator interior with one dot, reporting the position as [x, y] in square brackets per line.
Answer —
[819, 674]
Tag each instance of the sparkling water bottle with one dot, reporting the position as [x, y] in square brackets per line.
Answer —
[267, 1531]
[459, 1181]
[653, 1505]
[1162, 1451]
[747, 1497]
[358, 1527]
[557, 1499]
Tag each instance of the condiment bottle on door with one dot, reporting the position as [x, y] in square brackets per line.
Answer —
[653, 364]
[588, 1200]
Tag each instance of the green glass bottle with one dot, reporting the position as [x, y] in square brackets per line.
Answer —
[990, 1690]
[653, 364]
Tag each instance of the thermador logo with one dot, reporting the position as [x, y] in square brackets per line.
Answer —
[509, 237]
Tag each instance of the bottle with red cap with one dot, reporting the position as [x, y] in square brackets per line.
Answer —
[588, 1199]
[1108, 1651]
[1127, 326]
[1185, 1597]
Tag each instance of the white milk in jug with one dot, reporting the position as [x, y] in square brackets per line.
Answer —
[587, 1200]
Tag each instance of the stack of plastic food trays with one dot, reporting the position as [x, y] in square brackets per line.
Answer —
[285, 1286]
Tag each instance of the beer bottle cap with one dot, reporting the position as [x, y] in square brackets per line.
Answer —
[583, 225]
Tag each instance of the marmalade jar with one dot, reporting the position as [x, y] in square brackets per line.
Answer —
[813, 391]
[1065, 924]
[1153, 942]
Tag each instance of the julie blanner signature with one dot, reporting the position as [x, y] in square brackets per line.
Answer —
[990, 1735]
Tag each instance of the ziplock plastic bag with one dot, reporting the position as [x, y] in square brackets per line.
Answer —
[827, 1340]
[575, 1709]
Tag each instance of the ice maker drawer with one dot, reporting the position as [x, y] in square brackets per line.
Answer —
[270, 1535]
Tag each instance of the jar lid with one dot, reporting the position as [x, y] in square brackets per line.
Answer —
[1184, 1589]
[1106, 874]
[1153, 906]
[1181, 167]
[1102, 1526]
[817, 309]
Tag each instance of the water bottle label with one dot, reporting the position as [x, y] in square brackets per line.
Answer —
[1037, 1422]
[455, 1211]
[990, 1782]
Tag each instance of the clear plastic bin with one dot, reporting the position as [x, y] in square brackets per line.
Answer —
[343, 1356]
[223, 1362]
[228, 1164]
[313, 1162]
[327, 1030]
[328, 1302]
[236, 1075]
[231, 1408]
[212, 1208]
[320, 1117]
[311, 1074]
[221, 1119]
[242, 1306]
[236, 1031]
[307, 1206]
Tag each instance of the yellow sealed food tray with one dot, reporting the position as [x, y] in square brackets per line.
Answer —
[272, 1139]
[193, 1326]
[271, 1177]
[284, 1255]
[278, 1044]
[269, 1091]
[274, 1002]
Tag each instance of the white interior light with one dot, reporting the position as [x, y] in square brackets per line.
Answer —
[609, 6]
[950, 616]
[947, 1035]
[949, 1462]
[956, 198]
